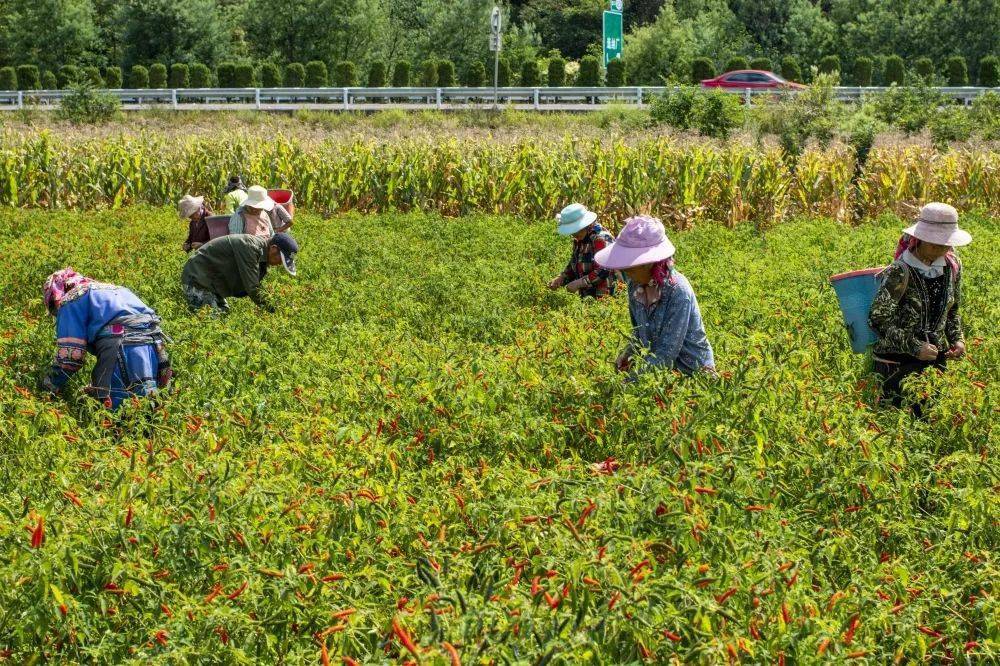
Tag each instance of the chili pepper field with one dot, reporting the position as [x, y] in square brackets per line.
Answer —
[424, 455]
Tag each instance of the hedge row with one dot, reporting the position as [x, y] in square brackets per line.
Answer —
[442, 73]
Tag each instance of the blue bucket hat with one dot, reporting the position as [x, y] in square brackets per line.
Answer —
[574, 218]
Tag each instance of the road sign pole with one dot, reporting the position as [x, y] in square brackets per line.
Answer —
[496, 43]
[613, 32]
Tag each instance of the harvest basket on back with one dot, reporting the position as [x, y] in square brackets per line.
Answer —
[218, 225]
[856, 293]
[284, 197]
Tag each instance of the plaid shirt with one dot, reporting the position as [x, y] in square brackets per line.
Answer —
[581, 265]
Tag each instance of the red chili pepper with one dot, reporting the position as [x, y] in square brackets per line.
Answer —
[128, 517]
[72, 498]
[216, 591]
[404, 637]
[453, 653]
[930, 632]
[852, 626]
[237, 592]
[614, 600]
[754, 507]
[324, 655]
[701, 490]
[672, 636]
[340, 615]
[349, 662]
[535, 587]
[38, 534]
[166, 610]
[721, 598]
[785, 615]
[971, 645]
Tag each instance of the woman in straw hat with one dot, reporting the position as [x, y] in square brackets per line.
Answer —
[581, 275]
[194, 210]
[915, 312]
[259, 215]
[667, 325]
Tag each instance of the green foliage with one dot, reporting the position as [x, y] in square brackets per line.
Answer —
[530, 74]
[446, 74]
[829, 64]
[295, 75]
[737, 63]
[85, 104]
[958, 71]
[557, 72]
[895, 71]
[429, 73]
[28, 77]
[809, 115]
[616, 70]
[269, 75]
[180, 75]
[345, 74]
[8, 78]
[909, 108]
[862, 129]
[316, 74]
[93, 76]
[171, 31]
[590, 72]
[113, 78]
[659, 51]
[989, 71]
[225, 74]
[503, 73]
[138, 77]
[986, 115]
[712, 113]
[376, 74]
[475, 75]
[790, 69]
[675, 107]
[243, 75]
[49, 80]
[158, 75]
[924, 68]
[863, 71]
[762, 63]
[201, 75]
[948, 125]
[401, 74]
[701, 69]
[68, 75]
[623, 118]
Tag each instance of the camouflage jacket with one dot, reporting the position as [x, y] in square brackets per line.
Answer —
[898, 313]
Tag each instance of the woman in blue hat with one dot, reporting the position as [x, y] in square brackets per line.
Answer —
[582, 275]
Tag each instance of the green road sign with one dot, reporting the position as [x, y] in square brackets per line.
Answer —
[612, 36]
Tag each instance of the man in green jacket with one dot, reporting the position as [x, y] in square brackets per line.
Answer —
[234, 265]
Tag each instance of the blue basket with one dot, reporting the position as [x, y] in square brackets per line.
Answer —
[856, 292]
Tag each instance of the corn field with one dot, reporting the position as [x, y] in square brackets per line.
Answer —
[681, 182]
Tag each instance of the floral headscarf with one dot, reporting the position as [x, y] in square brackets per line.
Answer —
[59, 284]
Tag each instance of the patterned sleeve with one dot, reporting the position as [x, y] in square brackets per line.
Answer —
[71, 344]
[282, 217]
[883, 317]
[667, 346]
[598, 274]
[953, 326]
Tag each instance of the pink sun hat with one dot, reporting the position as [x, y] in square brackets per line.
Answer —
[938, 223]
[642, 241]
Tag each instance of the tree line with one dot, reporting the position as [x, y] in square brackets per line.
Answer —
[363, 42]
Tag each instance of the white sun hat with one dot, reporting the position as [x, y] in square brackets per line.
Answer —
[257, 197]
[189, 205]
[938, 223]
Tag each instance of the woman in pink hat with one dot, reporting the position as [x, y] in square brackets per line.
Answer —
[915, 312]
[667, 326]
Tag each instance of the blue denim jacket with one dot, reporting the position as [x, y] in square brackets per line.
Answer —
[671, 331]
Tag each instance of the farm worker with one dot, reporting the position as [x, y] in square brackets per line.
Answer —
[915, 312]
[234, 194]
[235, 265]
[195, 211]
[581, 275]
[666, 321]
[114, 325]
[259, 215]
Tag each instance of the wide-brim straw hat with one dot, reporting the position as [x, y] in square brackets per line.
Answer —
[189, 205]
[574, 218]
[643, 240]
[938, 223]
[257, 197]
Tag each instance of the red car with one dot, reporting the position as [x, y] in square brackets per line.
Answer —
[751, 78]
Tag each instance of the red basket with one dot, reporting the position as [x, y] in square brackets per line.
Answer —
[284, 197]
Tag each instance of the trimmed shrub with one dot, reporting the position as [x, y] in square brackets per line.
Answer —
[85, 104]
[244, 75]
[446, 74]
[113, 78]
[295, 75]
[401, 74]
[675, 107]
[49, 80]
[28, 77]
[475, 74]
[68, 74]
[717, 113]
[503, 73]
[92, 75]
[529, 73]
[986, 115]
[429, 73]
[8, 78]
[376, 74]
[895, 70]
[180, 75]
[269, 75]
[989, 72]
[201, 76]
[958, 71]
[949, 125]
[590, 72]
[790, 69]
[701, 69]
[616, 73]
[316, 74]
[557, 72]
[345, 74]
[863, 68]
[225, 75]
[924, 67]
[138, 77]
[762, 63]
[158, 75]
[829, 64]
[737, 62]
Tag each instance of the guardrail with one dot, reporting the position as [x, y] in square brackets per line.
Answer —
[369, 99]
